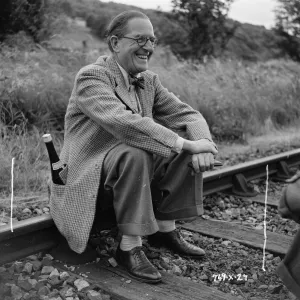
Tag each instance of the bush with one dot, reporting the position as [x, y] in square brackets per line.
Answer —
[35, 17]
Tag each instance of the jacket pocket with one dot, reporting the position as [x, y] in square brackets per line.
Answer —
[63, 174]
[57, 191]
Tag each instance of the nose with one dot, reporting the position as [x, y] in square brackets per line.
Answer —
[148, 46]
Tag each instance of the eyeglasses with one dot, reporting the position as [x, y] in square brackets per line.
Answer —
[142, 41]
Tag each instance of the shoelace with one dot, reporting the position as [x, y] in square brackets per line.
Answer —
[138, 255]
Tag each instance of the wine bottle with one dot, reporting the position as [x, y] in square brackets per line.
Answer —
[55, 163]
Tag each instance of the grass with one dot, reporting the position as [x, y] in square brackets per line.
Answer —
[240, 101]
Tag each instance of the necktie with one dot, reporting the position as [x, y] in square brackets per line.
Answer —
[137, 81]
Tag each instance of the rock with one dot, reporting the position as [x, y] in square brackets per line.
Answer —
[243, 252]
[26, 211]
[32, 257]
[54, 280]
[38, 211]
[259, 227]
[27, 284]
[276, 260]
[28, 268]
[47, 262]
[43, 291]
[64, 275]
[263, 287]
[5, 289]
[36, 265]
[49, 256]
[93, 295]
[54, 294]
[221, 204]
[165, 265]
[47, 270]
[71, 280]
[165, 259]
[16, 292]
[66, 291]
[26, 296]
[69, 292]
[18, 267]
[275, 289]
[203, 277]
[2, 270]
[112, 262]
[81, 284]
[46, 209]
[254, 276]
[105, 297]
[176, 270]
[226, 243]
[40, 284]
[54, 273]
[239, 271]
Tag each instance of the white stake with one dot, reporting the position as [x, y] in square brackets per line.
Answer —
[12, 194]
[265, 219]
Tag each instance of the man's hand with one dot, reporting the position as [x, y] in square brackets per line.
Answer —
[200, 146]
[203, 162]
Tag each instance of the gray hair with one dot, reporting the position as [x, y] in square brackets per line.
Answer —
[118, 25]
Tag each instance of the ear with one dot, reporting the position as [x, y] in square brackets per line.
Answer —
[114, 41]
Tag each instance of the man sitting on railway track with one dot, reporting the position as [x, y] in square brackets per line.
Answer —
[120, 132]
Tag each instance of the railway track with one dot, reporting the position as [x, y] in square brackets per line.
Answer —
[39, 234]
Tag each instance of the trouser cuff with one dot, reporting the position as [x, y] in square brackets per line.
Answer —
[184, 213]
[138, 229]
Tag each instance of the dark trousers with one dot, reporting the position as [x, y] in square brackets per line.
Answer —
[147, 187]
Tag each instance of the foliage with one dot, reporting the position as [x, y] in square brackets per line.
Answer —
[36, 18]
[288, 16]
[205, 22]
[288, 27]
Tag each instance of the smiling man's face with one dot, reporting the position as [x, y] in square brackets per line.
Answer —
[132, 57]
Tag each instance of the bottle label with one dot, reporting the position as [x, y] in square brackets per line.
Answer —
[58, 165]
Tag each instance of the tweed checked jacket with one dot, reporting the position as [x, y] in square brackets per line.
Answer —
[99, 116]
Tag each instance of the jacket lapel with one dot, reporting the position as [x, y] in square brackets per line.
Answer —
[121, 89]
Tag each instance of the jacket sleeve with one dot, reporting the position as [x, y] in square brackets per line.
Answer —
[96, 98]
[174, 114]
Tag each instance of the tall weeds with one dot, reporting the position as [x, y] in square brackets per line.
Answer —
[35, 86]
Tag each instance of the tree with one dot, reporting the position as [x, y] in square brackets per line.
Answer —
[206, 24]
[287, 17]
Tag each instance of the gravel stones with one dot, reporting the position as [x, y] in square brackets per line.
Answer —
[81, 284]
[31, 279]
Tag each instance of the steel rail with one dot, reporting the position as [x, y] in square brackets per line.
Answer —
[222, 179]
[40, 234]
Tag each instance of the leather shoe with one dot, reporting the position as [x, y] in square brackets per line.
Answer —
[138, 265]
[174, 241]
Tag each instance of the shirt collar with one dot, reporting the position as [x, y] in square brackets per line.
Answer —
[126, 75]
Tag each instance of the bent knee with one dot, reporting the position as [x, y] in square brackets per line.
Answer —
[138, 155]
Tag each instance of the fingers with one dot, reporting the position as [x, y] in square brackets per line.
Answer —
[214, 151]
[203, 162]
[195, 163]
